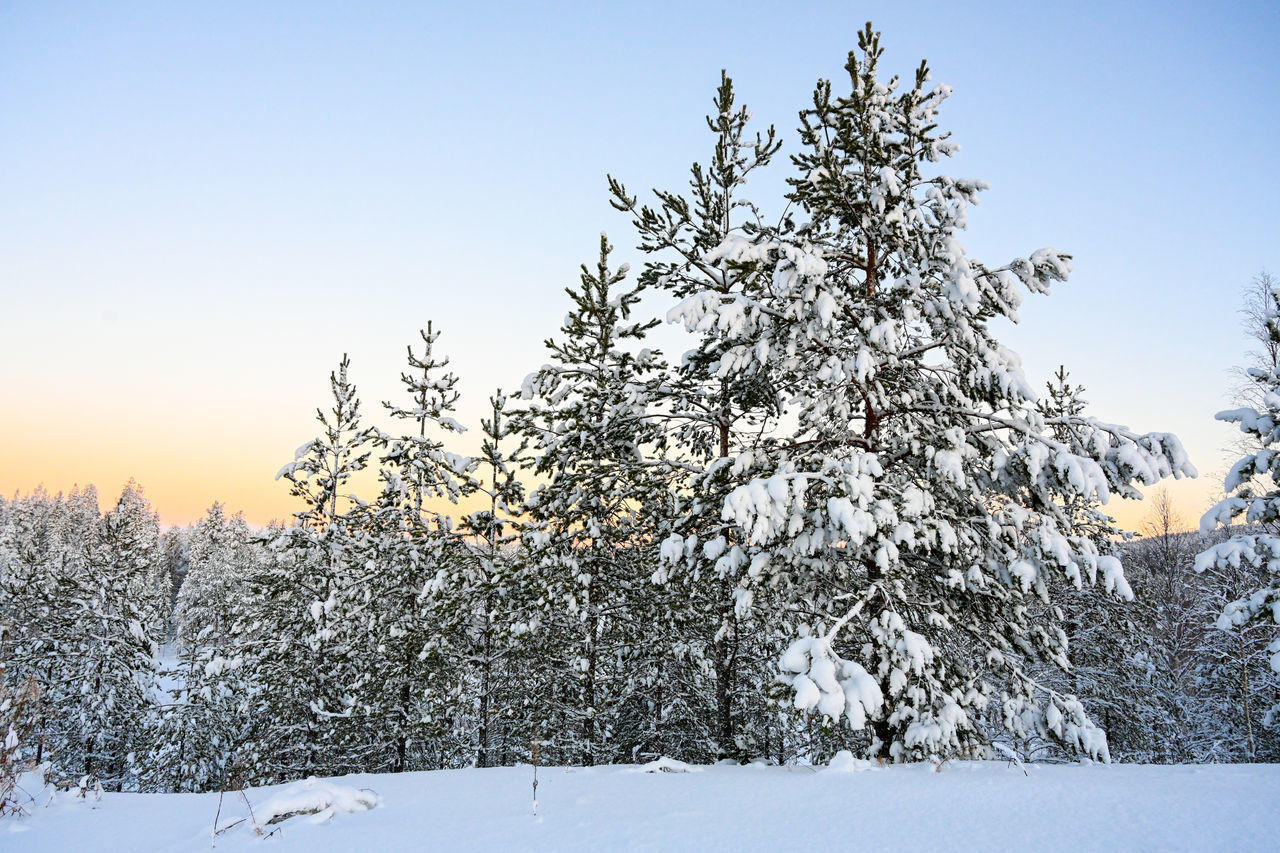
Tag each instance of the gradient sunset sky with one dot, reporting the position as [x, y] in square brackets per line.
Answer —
[202, 206]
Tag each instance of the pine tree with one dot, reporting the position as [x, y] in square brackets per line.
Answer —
[7, 533]
[481, 589]
[719, 407]
[409, 540]
[1114, 671]
[41, 621]
[61, 635]
[219, 551]
[1253, 491]
[910, 508]
[110, 617]
[424, 464]
[304, 659]
[174, 543]
[203, 726]
[592, 435]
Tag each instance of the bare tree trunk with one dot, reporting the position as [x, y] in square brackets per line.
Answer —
[657, 711]
[1244, 696]
[589, 694]
[725, 647]
[725, 663]
[402, 741]
[486, 667]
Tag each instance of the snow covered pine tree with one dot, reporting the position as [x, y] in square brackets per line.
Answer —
[716, 411]
[123, 593]
[589, 429]
[307, 655]
[910, 508]
[482, 590]
[199, 732]
[411, 544]
[1253, 490]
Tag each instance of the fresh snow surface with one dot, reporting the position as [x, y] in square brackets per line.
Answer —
[965, 806]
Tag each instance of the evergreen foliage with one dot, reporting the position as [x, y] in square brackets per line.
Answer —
[910, 508]
[488, 601]
[200, 730]
[407, 542]
[718, 408]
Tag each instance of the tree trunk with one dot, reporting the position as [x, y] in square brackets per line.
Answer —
[402, 741]
[486, 666]
[1244, 696]
[589, 695]
[726, 653]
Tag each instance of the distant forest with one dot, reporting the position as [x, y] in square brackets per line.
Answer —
[175, 662]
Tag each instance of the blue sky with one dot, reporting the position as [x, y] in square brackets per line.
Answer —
[203, 205]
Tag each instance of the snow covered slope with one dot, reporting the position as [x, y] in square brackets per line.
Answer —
[966, 806]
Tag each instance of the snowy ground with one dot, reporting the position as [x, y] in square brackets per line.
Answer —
[966, 806]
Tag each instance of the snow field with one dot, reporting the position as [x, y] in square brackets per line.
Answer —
[966, 806]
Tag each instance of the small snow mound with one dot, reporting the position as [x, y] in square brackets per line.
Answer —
[315, 797]
[844, 762]
[668, 765]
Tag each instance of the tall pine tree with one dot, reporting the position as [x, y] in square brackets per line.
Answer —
[910, 506]
[1253, 492]
[305, 658]
[718, 407]
[411, 540]
[592, 436]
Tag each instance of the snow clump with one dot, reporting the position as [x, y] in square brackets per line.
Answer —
[315, 797]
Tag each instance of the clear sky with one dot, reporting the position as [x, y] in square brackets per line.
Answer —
[203, 205]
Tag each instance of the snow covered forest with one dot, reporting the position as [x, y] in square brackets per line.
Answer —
[842, 519]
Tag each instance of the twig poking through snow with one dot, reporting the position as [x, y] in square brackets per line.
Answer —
[534, 744]
[1013, 756]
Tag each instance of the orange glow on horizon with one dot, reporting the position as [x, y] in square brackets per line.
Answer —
[180, 481]
[181, 486]
[1191, 499]
[195, 452]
